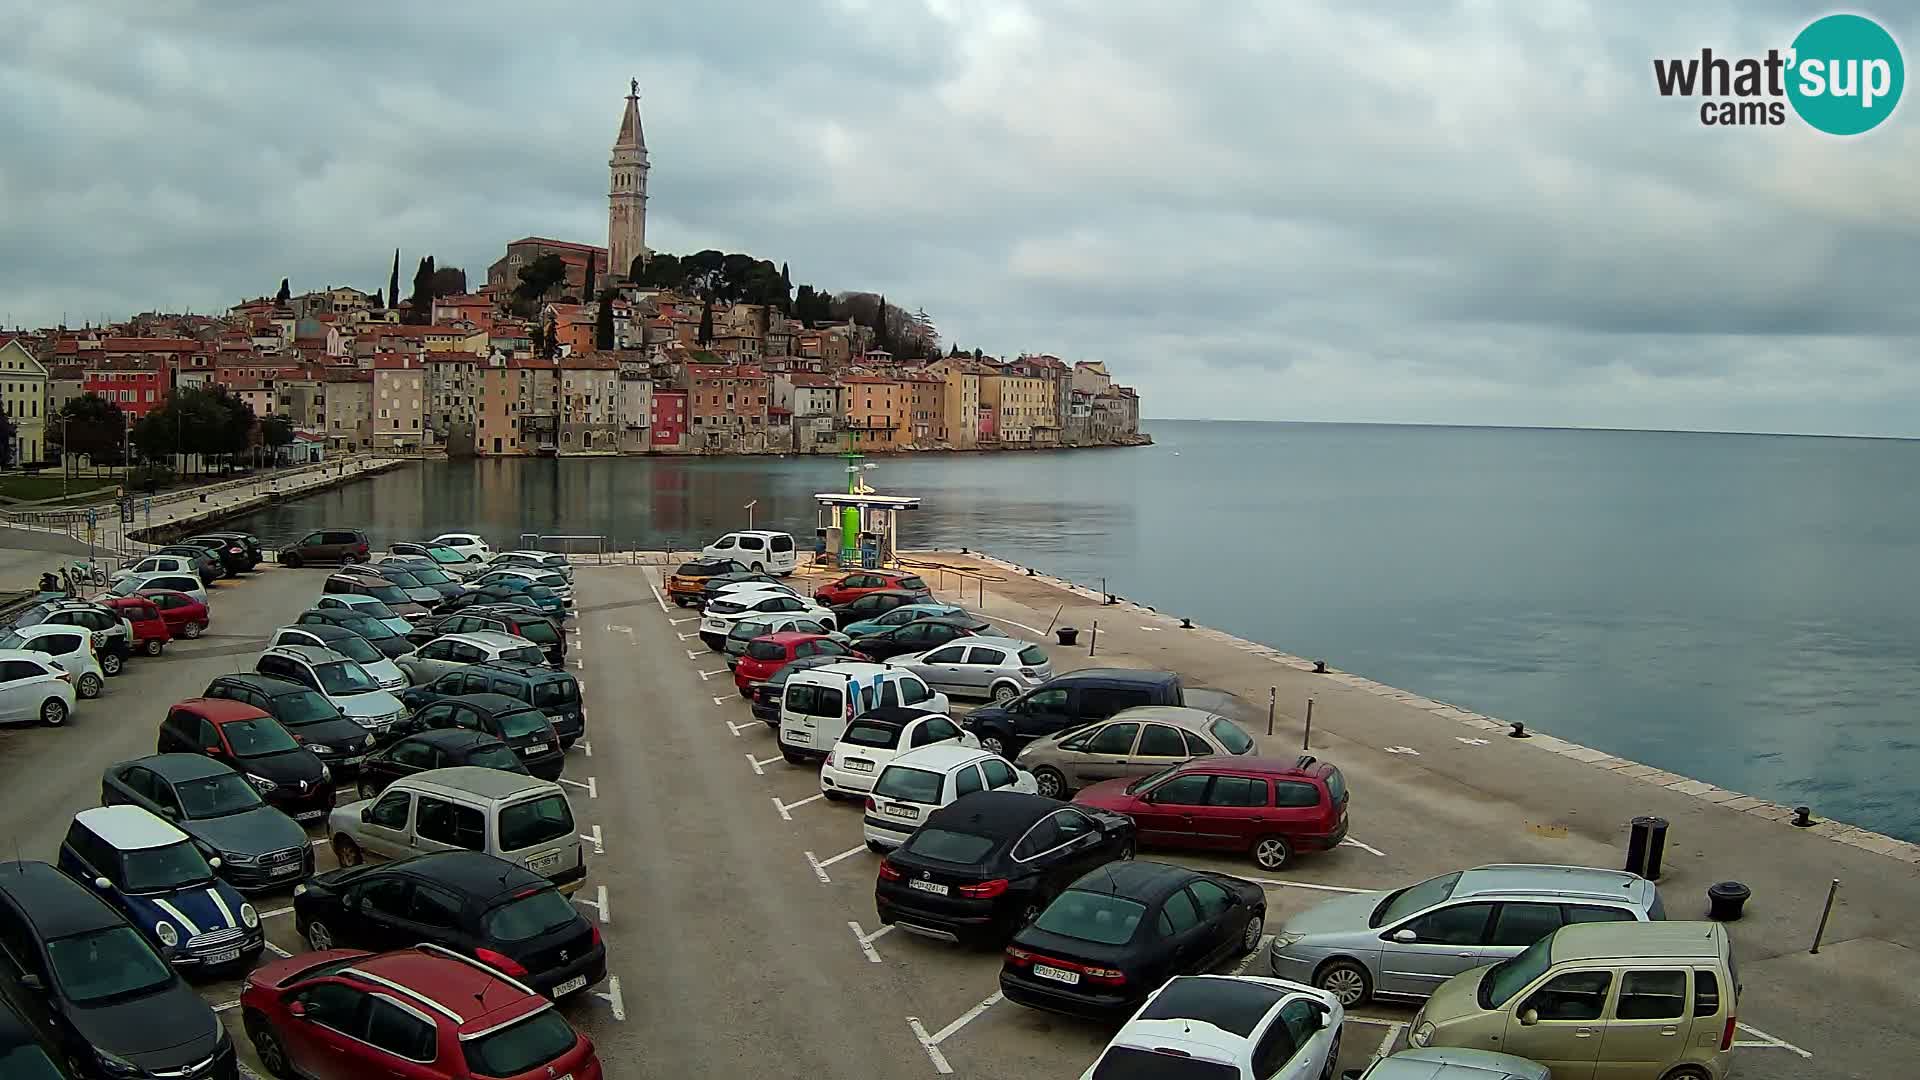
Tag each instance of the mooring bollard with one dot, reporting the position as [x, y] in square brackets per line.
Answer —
[1821, 930]
[1093, 638]
[1726, 900]
[1519, 731]
[1803, 817]
[1186, 624]
[1646, 844]
[1068, 635]
[1319, 667]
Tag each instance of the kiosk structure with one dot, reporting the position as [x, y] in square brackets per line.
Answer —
[861, 527]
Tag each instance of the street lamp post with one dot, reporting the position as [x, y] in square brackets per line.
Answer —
[749, 509]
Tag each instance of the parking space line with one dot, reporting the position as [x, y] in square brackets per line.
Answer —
[599, 845]
[592, 786]
[738, 728]
[661, 600]
[599, 905]
[784, 807]
[687, 637]
[1769, 1042]
[226, 1006]
[274, 914]
[931, 1043]
[1258, 951]
[579, 664]
[1021, 625]
[585, 747]
[705, 675]
[760, 766]
[677, 622]
[322, 842]
[820, 866]
[278, 951]
[613, 999]
[1351, 842]
[615, 628]
[1278, 884]
[691, 655]
[866, 940]
[719, 701]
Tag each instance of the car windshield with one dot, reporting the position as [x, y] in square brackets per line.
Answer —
[949, 846]
[1414, 899]
[868, 733]
[257, 738]
[427, 575]
[1033, 656]
[344, 677]
[304, 707]
[445, 556]
[913, 584]
[540, 592]
[748, 629]
[366, 625]
[910, 785]
[1142, 783]
[535, 821]
[15, 640]
[400, 578]
[373, 606]
[1230, 735]
[1509, 977]
[521, 1047]
[163, 869]
[496, 756]
[725, 607]
[528, 654]
[1091, 916]
[355, 648]
[216, 796]
[519, 725]
[1133, 1063]
[103, 964]
[32, 616]
[533, 914]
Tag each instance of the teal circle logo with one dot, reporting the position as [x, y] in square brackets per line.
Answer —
[1846, 74]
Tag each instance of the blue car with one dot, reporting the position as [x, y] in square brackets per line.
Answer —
[900, 616]
[153, 874]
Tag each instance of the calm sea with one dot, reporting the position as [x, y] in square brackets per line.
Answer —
[1740, 608]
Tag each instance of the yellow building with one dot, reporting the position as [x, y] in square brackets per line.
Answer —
[1019, 405]
[23, 396]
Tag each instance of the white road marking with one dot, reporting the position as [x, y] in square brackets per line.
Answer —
[320, 843]
[615, 628]
[225, 1005]
[1258, 951]
[866, 940]
[760, 764]
[275, 913]
[691, 655]
[677, 622]
[1021, 625]
[592, 786]
[278, 951]
[931, 1043]
[1278, 884]
[820, 867]
[661, 600]
[1351, 842]
[612, 997]
[580, 683]
[784, 807]
[1401, 750]
[688, 637]
[599, 905]
[738, 728]
[1469, 742]
[719, 701]
[1153, 629]
[1392, 1036]
[579, 664]
[1769, 1041]
[599, 845]
[585, 747]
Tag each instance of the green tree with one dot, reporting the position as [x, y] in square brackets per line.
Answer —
[550, 349]
[284, 294]
[603, 322]
[536, 279]
[446, 281]
[89, 425]
[786, 290]
[587, 288]
[882, 336]
[379, 299]
[8, 433]
[393, 279]
[276, 432]
[706, 322]
[420, 304]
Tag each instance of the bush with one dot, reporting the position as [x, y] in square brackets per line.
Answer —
[150, 476]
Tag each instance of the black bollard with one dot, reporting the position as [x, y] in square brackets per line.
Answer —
[1519, 731]
[1068, 635]
[1186, 624]
[1803, 817]
[1646, 846]
[1726, 900]
[1319, 667]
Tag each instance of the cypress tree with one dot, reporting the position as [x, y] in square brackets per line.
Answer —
[393, 279]
[706, 322]
[603, 322]
[587, 290]
[285, 293]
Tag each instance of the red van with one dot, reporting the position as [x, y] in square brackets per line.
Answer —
[150, 631]
[1269, 808]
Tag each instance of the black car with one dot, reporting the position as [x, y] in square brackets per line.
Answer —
[554, 693]
[232, 554]
[766, 695]
[210, 566]
[415, 578]
[522, 727]
[249, 545]
[378, 633]
[501, 596]
[259, 847]
[307, 715]
[497, 912]
[877, 602]
[441, 748]
[1073, 700]
[1123, 929]
[985, 865]
[253, 744]
[25, 1052]
[94, 986]
[919, 635]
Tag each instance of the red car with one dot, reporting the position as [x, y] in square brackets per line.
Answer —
[769, 653]
[853, 586]
[1269, 808]
[150, 630]
[424, 1013]
[185, 616]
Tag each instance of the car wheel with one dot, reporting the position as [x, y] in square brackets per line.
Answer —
[757, 568]
[1250, 938]
[1004, 693]
[994, 744]
[111, 663]
[1127, 852]
[794, 757]
[1272, 852]
[53, 712]
[191, 630]
[348, 852]
[266, 1044]
[291, 562]
[89, 686]
[368, 791]
[1346, 981]
[1050, 782]
[154, 645]
[319, 936]
[1688, 1072]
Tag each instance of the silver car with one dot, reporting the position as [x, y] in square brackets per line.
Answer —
[342, 681]
[1407, 942]
[760, 625]
[1135, 742]
[543, 560]
[443, 654]
[1450, 1063]
[995, 668]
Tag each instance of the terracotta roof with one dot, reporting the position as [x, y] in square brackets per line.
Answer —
[589, 362]
[810, 380]
[868, 379]
[140, 344]
[563, 245]
[395, 362]
[724, 371]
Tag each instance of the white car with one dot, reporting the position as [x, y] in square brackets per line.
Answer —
[443, 654]
[760, 549]
[717, 619]
[366, 605]
[189, 584]
[468, 544]
[872, 741]
[69, 648]
[158, 564]
[34, 688]
[1228, 1028]
[347, 644]
[543, 560]
[921, 781]
[755, 587]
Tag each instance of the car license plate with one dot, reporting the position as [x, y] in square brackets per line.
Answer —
[797, 738]
[223, 957]
[570, 986]
[532, 750]
[290, 868]
[857, 765]
[309, 815]
[545, 861]
[929, 886]
[906, 812]
[1071, 978]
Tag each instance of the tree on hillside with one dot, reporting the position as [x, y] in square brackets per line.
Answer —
[379, 299]
[786, 290]
[551, 349]
[537, 334]
[89, 425]
[284, 294]
[587, 288]
[536, 279]
[882, 334]
[447, 281]
[706, 322]
[393, 280]
[603, 322]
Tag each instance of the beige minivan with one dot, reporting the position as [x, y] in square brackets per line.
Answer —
[519, 818]
[1600, 1001]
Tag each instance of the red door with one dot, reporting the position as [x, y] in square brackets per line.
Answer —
[318, 1043]
[1167, 814]
[1237, 811]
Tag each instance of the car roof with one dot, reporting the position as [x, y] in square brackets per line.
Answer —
[940, 757]
[271, 685]
[219, 710]
[474, 872]
[1124, 675]
[467, 992]
[54, 903]
[1305, 765]
[855, 669]
[1012, 644]
[525, 669]
[788, 637]
[491, 703]
[129, 828]
[40, 658]
[492, 639]
[888, 592]
[1217, 1011]
[1627, 940]
[178, 768]
[41, 629]
[478, 780]
[1549, 879]
[749, 596]
[1453, 1063]
[1176, 715]
[994, 813]
[755, 532]
[450, 738]
[312, 654]
[319, 630]
[167, 592]
[1136, 879]
[895, 715]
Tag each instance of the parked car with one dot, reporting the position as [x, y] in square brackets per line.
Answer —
[503, 915]
[159, 564]
[208, 567]
[254, 744]
[100, 991]
[997, 669]
[522, 819]
[455, 651]
[449, 561]
[34, 689]
[768, 653]
[69, 647]
[919, 636]
[350, 687]
[257, 846]
[415, 573]
[555, 693]
[314, 721]
[440, 748]
[747, 579]
[143, 617]
[1114, 936]
[1242, 1027]
[1599, 999]
[985, 866]
[1069, 701]
[850, 587]
[353, 1014]
[187, 584]
[29, 1047]
[153, 874]
[818, 704]
[746, 630]
[761, 550]
[918, 782]
[378, 590]
[234, 557]
[327, 546]
[523, 727]
[766, 695]
[348, 644]
[249, 545]
[1135, 743]
[368, 606]
[684, 585]
[542, 560]
[111, 634]
[872, 741]
[1269, 808]
[717, 619]
[538, 575]
[503, 597]
[377, 633]
[479, 618]
[1450, 1063]
[469, 545]
[410, 587]
[186, 615]
[874, 603]
[1406, 942]
[900, 616]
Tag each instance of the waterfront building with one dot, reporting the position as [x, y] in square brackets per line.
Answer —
[819, 413]
[876, 412]
[348, 404]
[137, 386]
[668, 427]
[727, 406]
[1019, 404]
[399, 402]
[590, 414]
[636, 412]
[23, 395]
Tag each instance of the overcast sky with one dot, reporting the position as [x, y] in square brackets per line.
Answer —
[1389, 210]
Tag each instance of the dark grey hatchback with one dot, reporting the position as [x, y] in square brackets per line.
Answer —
[259, 847]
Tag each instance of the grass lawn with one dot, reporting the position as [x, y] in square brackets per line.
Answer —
[47, 485]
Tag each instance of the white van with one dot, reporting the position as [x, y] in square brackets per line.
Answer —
[819, 702]
[761, 551]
